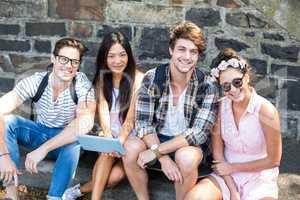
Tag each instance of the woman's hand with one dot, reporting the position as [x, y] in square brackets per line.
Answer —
[234, 195]
[115, 154]
[222, 168]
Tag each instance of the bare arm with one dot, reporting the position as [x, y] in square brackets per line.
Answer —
[128, 124]
[104, 117]
[3, 147]
[8, 103]
[82, 124]
[269, 119]
[218, 152]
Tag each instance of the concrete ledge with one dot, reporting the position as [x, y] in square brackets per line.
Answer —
[160, 187]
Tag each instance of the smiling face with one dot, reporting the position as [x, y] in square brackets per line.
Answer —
[117, 58]
[239, 84]
[65, 63]
[184, 56]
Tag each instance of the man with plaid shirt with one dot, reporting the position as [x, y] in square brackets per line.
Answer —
[173, 125]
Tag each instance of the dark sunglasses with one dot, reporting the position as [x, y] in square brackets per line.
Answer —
[237, 83]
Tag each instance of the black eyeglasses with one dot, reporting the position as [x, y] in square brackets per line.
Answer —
[237, 83]
[64, 60]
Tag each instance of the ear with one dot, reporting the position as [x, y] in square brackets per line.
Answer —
[247, 78]
[52, 58]
[170, 51]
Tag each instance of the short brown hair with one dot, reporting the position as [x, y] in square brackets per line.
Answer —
[70, 42]
[188, 30]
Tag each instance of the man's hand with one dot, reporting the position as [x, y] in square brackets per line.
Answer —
[7, 169]
[33, 158]
[170, 169]
[222, 168]
[145, 157]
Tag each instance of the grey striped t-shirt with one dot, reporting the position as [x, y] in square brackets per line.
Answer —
[57, 113]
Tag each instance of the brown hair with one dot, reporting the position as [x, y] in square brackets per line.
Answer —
[190, 31]
[228, 53]
[70, 42]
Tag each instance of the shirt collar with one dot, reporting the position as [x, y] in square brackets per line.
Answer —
[252, 102]
[251, 105]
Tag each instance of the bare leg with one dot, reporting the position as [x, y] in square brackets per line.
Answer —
[88, 187]
[104, 165]
[137, 176]
[116, 175]
[188, 160]
[206, 189]
[12, 192]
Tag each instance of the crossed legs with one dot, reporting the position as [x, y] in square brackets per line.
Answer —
[108, 172]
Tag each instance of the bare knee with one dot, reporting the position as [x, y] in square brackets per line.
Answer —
[116, 175]
[206, 189]
[133, 146]
[188, 159]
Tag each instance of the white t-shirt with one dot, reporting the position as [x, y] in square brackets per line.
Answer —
[58, 113]
[175, 122]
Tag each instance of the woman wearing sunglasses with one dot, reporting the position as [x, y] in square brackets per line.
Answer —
[246, 138]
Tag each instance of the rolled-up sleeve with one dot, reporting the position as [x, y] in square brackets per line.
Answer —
[145, 106]
[206, 114]
[84, 88]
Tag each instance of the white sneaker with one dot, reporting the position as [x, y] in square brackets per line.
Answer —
[72, 193]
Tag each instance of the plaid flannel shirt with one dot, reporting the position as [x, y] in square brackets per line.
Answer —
[150, 121]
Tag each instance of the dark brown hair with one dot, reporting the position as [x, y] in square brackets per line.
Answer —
[228, 53]
[103, 77]
[190, 31]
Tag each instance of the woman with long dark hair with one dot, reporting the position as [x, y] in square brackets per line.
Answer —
[116, 82]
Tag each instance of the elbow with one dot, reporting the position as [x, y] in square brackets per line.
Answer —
[85, 125]
[276, 163]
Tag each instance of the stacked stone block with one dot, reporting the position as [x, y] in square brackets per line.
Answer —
[29, 29]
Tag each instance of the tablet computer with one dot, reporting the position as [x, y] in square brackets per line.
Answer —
[101, 144]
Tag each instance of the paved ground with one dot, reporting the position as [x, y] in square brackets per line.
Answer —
[289, 179]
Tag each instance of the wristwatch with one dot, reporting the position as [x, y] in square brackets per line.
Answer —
[155, 149]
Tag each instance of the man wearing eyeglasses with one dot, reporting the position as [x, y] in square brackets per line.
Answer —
[59, 120]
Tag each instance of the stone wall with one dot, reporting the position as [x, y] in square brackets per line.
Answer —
[286, 13]
[29, 29]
